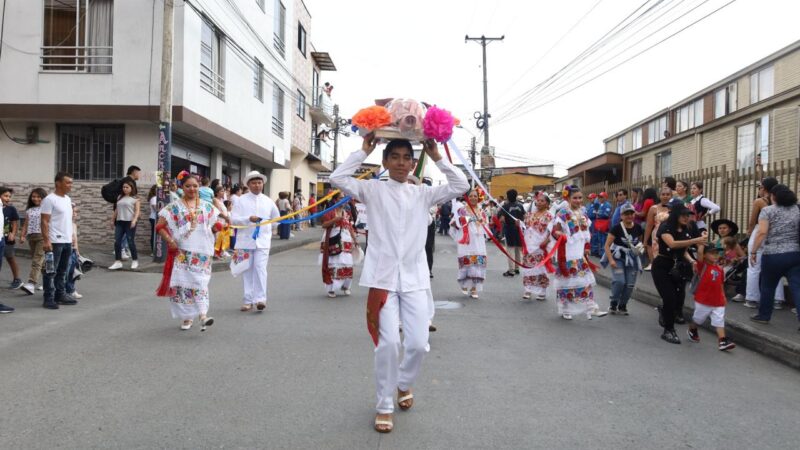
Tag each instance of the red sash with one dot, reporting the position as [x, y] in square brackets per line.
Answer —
[375, 301]
[602, 225]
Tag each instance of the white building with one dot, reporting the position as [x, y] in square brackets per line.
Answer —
[81, 83]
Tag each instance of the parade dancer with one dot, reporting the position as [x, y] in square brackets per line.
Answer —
[574, 278]
[336, 249]
[254, 241]
[187, 226]
[471, 241]
[395, 269]
[537, 237]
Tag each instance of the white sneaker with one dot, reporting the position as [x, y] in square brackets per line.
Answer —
[40, 288]
[135, 264]
[77, 295]
[598, 313]
[778, 305]
[751, 304]
[738, 298]
[29, 288]
[347, 292]
[116, 266]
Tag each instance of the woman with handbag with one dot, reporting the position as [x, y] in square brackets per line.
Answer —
[672, 267]
[470, 236]
[336, 249]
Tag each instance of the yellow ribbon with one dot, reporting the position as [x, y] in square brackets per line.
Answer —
[330, 195]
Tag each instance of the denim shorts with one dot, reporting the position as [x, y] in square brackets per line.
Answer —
[10, 250]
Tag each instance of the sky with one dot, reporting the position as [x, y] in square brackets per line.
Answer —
[416, 49]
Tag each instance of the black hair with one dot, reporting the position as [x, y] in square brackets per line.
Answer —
[4, 189]
[670, 182]
[685, 185]
[214, 183]
[768, 183]
[783, 195]
[152, 192]
[204, 181]
[236, 188]
[624, 191]
[42, 194]
[61, 175]
[637, 190]
[217, 189]
[699, 185]
[511, 195]
[397, 143]
[132, 169]
[674, 215]
[650, 193]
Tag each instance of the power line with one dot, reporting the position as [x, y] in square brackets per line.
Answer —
[535, 107]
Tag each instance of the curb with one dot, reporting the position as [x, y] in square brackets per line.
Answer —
[781, 350]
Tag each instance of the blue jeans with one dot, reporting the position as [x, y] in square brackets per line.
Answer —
[773, 268]
[123, 230]
[55, 283]
[69, 284]
[623, 280]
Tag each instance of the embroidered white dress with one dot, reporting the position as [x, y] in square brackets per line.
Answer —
[537, 232]
[192, 269]
[471, 240]
[340, 267]
[574, 294]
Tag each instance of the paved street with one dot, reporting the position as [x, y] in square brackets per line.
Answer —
[116, 372]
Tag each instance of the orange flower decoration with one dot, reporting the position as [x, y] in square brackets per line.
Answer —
[372, 118]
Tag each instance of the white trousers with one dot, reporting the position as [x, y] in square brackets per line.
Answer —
[754, 275]
[413, 308]
[255, 278]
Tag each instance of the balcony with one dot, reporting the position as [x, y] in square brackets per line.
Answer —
[86, 59]
[321, 156]
[277, 127]
[322, 108]
[212, 82]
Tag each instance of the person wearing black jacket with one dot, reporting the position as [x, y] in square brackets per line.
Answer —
[510, 214]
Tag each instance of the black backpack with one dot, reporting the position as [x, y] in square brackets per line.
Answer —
[110, 191]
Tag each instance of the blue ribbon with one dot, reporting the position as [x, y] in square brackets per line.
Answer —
[317, 214]
[256, 232]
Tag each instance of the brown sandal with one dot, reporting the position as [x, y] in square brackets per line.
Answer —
[261, 306]
[383, 425]
[405, 400]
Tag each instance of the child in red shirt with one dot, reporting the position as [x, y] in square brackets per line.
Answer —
[709, 297]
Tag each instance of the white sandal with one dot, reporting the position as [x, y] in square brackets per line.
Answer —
[384, 422]
[206, 323]
[526, 296]
[186, 326]
[566, 316]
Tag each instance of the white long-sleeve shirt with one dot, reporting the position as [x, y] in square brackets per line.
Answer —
[253, 205]
[398, 218]
[711, 207]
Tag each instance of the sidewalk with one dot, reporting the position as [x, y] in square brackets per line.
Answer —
[779, 340]
[103, 255]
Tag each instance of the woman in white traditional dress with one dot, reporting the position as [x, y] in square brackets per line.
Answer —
[188, 226]
[537, 226]
[336, 249]
[471, 239]
[574, 278]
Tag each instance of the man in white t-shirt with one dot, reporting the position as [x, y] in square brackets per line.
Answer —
[57, 234]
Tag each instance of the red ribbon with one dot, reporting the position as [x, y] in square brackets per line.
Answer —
[464, 230]
[375, 301]
[164, 289]
[547, 261]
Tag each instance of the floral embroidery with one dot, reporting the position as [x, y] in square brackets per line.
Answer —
[341, 273]
[471, 260]
[577, 268]
[538, 224]
[193, 261]
[240, 255]
[189, 296]
[536, 280]
[572, 222]
[575, 295]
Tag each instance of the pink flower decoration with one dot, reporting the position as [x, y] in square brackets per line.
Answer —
[438, 124]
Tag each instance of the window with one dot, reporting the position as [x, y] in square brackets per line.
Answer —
[752, 144]
[689, 116]
[258, 79]
[277, 111]
[656, 129]
[91, 152]
[315, 92]
[637, 138]
[212, 62]
[762, 84]
[664, 164]
[301, 38]
[636, 170]
[725, 101]
[260, 4]
[78, 36]
[279, 34]
[621, 144]
[301, 105]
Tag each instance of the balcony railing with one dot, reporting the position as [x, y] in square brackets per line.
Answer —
[322, 107]
[212, 81]
[277, 127]
[91, 59]
[321, 150]
[279, 45]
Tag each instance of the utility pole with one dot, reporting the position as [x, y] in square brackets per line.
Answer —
[472, 152]
[483, 120]
[336, 135]
[164, 172]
